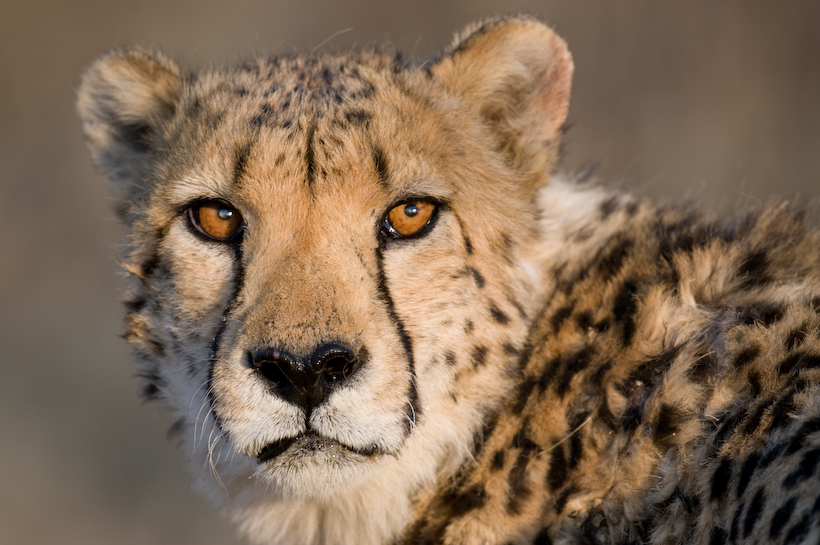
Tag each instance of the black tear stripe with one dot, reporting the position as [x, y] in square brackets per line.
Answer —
[213, 350]
[413, 410]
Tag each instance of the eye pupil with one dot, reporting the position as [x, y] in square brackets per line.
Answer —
[225, 213]
[411, 210]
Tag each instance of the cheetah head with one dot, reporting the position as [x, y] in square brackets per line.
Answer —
[327, 255]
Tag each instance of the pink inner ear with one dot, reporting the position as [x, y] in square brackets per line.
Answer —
[556, 84]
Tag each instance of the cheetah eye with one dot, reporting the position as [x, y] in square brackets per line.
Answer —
[216, 219]
[411, 218]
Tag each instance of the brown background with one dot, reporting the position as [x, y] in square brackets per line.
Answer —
[719, 101]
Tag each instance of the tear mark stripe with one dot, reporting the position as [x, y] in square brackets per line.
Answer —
[213, 351]
[407, 343]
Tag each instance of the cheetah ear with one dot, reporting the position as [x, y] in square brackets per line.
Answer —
[124, 98]
[516, 74]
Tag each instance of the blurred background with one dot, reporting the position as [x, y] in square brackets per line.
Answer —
[716, 101]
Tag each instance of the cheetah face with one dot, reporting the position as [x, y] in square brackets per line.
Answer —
[326, 252]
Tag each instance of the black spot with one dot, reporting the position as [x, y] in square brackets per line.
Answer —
[781, 517]
[608, 207]
[667, 425]
[176, 429]
[648, 375]
[462, 502]
[720, 480]
[562, 500]
[542, 538]
[609, 264]
[773, 453]
[499, 316]
[797, 361]
[805, 469]
[753, 514]
[498, 460]
[632, 417]
[752, 421]
[523, 394]
[755, 385]
[381, 165]
[795, 337]
[135, 305]
[479, 280]
[753, 269]
[746, 472]
[490, 423]
[152, 385]
[584, 320]
[519, 489]
[760, 314]
[511, 350]
[468, 246]
[310, 155]
[735, 527]
[479, 356]
[450, 358]
[468, 327]
[576, 449]
[798, 531]
[605, 416]
[726, 428]
[559, 471]
[573, 365]
[241, 163]
[138, 136]
[808, 428]
[560, 316]
[781, 410]
[624, 310]
[718, 536]
[262, 117]
[704, 367]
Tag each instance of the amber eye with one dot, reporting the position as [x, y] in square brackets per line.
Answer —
[216, 219]
[409, 218]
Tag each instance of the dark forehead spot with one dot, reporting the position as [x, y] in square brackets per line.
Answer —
[381, 165]
[310, 159]
[357, 117]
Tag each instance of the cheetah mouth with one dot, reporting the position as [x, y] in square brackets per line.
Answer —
[311, 443]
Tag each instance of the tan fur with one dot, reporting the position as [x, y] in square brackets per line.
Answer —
[549, 362]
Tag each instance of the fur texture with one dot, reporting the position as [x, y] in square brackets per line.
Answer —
[539, 361]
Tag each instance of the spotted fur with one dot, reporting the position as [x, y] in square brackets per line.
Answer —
[547, 361]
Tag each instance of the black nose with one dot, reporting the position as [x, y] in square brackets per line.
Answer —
[308, 381]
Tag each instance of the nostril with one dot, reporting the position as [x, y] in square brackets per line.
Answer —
[270, 365]
[337, 367]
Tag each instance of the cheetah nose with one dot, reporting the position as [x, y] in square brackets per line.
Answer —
[308, 381]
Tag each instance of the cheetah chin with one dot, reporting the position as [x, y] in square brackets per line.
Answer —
[378, 316]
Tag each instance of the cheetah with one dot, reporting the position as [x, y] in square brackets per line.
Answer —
[379, 315]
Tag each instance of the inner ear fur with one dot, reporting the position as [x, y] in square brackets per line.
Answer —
[122, 101]
[516, 74]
